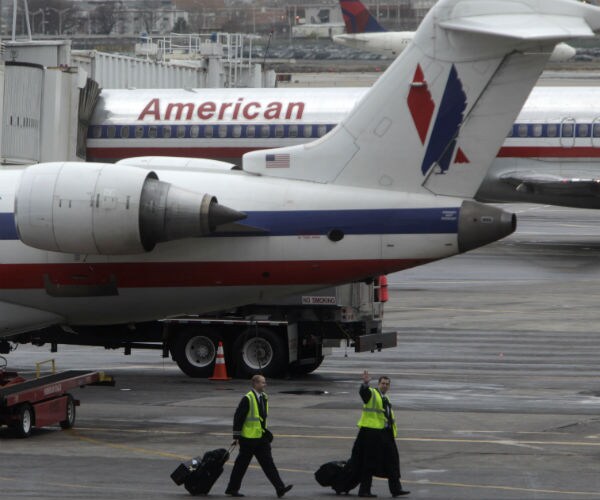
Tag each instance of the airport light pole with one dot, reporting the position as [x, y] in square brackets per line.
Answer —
[61, 13]
[33, 14]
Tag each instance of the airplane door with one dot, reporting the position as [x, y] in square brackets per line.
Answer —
[567, 133]
[596, 133]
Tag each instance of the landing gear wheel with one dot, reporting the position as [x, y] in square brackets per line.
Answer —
[261, 351]
[69, 422]
[195, 353]
[25, 421]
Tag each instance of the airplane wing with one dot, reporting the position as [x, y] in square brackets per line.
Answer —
[18, 319]
[544, 184]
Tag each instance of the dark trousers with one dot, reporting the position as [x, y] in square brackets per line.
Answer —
[375, 454]
[261, 449]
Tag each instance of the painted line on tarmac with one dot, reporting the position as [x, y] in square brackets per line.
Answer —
[513, 442]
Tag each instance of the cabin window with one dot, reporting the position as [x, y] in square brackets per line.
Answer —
[139, 132]
[264, 131]
[307, 131]
[152, 132]
[322, 130]
[222, 131]
[278, 131]
[583, 130]
[111, 131]
[97, 132]
[522, 130]
[567, 130]
[552, 130]
[250, 131]
[181, 131]
[537, 130]
[293, 131]
[124, 132]
[596, 130]
[194, 131]
[237, 131]
[166, 131]
[208, 131]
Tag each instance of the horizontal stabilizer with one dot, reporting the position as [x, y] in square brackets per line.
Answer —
[527, 26]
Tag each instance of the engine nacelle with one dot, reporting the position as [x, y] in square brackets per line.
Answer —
[105, 209]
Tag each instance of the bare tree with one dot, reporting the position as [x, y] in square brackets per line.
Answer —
[105, 17]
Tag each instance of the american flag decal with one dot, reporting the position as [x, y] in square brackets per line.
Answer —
[281, 160]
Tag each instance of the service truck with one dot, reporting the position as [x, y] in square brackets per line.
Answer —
[289, 336]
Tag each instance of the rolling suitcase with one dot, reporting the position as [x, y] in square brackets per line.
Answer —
[340, 475]
[199, 475]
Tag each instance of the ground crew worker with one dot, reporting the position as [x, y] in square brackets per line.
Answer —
[375, 451]
[251, 433]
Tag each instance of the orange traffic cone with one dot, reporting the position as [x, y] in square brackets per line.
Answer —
[220, 372]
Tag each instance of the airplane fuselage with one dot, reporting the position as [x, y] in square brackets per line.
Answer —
[555, 138]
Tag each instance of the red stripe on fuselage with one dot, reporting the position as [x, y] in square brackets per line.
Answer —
[198, 274]
[549, 152]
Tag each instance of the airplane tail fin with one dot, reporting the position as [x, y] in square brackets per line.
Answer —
[358, 19]
[435, 120]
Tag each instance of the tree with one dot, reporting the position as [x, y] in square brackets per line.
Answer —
[104, 17]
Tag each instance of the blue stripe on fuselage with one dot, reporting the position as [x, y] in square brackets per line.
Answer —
[320, 222]
[8, 230]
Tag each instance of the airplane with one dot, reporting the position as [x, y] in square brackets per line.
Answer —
[549, 156]
[387, 189]
[363, 32]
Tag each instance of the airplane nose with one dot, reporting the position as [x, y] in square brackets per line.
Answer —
[480, 224]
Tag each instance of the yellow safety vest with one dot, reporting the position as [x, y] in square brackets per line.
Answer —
[252, 428]
[373, 414]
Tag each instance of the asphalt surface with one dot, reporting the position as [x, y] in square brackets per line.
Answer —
[495, 382]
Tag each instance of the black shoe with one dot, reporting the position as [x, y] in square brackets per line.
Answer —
[400, 493]
[284, 490]
[234, 493]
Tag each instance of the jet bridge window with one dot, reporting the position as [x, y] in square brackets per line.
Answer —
[552, 130]
[567, 130]
[583, 130]
[125, 132]
[250, 131]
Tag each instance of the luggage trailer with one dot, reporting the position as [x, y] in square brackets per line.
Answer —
[25, 404]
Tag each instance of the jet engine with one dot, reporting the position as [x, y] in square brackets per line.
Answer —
[104, 209]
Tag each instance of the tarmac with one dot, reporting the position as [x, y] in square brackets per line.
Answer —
[495, 383]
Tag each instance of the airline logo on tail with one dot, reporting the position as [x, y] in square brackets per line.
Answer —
[441, 148]
[358, 19]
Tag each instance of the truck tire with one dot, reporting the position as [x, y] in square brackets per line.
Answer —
[195, 351]
[261, 351]
[24, 424]
[69, 421]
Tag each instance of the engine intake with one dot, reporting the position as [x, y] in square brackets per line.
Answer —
[104, 209]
